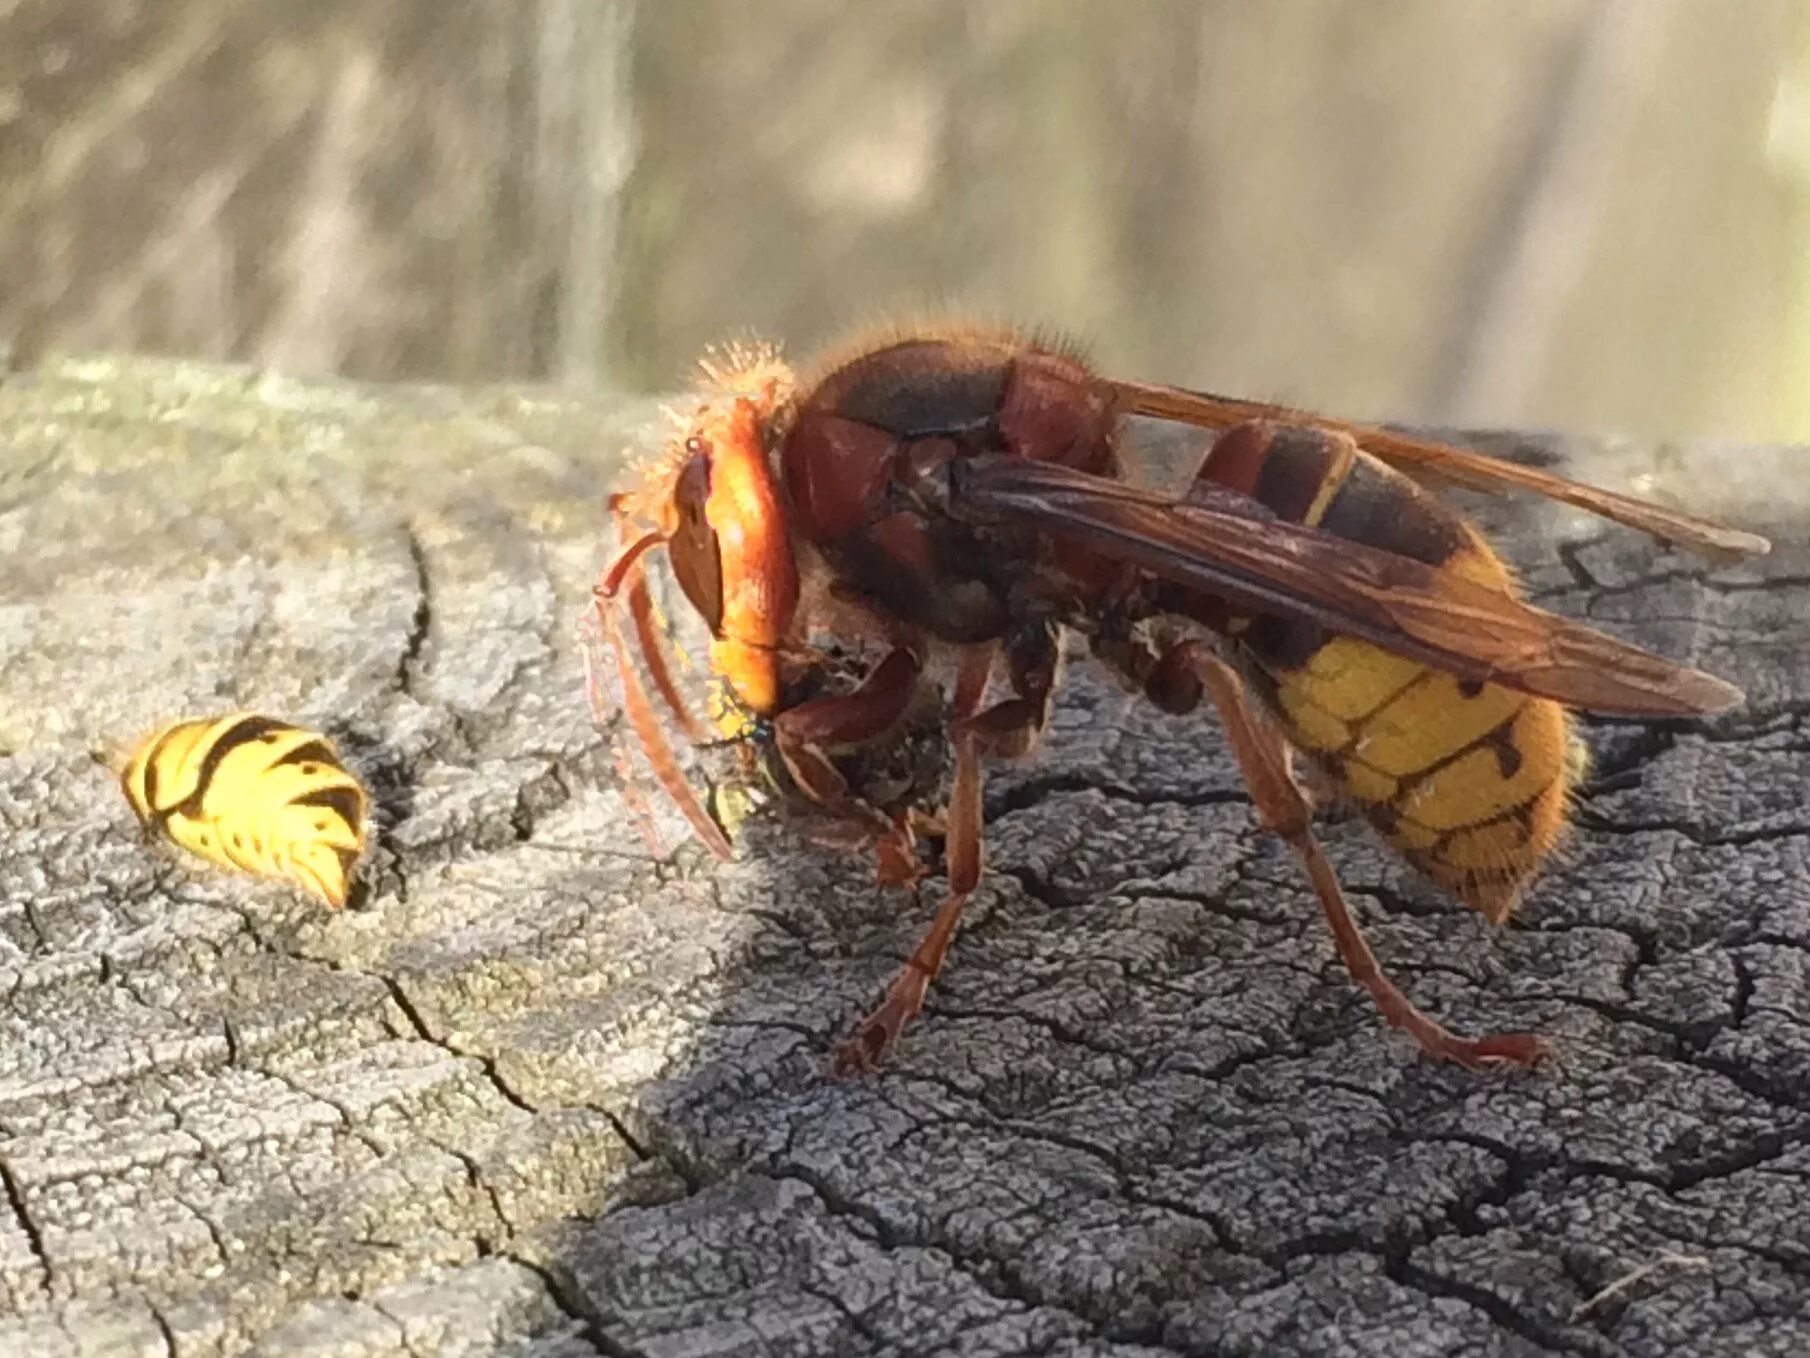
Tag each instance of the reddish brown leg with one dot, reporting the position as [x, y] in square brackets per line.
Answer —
[803, 733]
[896, 854]
[891, 840]
[1263, 758]
[875, 1035]
[873, 707]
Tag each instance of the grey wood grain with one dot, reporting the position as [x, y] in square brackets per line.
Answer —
[544, 1094]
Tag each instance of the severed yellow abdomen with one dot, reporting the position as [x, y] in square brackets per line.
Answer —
[253, 793]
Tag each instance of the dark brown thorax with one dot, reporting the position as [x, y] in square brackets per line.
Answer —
[879, 424]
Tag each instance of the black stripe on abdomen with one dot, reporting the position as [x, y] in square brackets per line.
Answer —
[242, 732]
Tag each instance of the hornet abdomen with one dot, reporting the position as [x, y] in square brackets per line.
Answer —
[1468, 781]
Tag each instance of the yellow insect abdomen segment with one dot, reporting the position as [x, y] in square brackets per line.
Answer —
[253, 793]
[1469, 782]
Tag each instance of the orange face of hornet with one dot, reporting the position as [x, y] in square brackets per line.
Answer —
[958, 496]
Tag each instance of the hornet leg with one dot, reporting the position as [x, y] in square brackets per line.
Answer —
[1263, 759]
[1007, 729]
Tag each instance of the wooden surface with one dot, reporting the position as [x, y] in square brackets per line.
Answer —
[544, 1095]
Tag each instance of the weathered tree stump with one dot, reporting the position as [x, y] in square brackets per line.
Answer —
[545, 1094]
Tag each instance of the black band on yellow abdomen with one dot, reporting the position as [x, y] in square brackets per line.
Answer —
[229, 789]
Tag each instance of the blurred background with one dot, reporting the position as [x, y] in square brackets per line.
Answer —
[1591, 214]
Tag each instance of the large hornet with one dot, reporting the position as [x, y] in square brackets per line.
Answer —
[958, 499]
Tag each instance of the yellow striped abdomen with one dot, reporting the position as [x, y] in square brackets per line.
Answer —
[253, 793]
[1469, 782]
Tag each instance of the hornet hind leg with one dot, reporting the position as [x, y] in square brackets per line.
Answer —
[1176, 679]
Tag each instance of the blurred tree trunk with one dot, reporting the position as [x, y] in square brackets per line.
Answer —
[413, 189]
[1557, 212]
